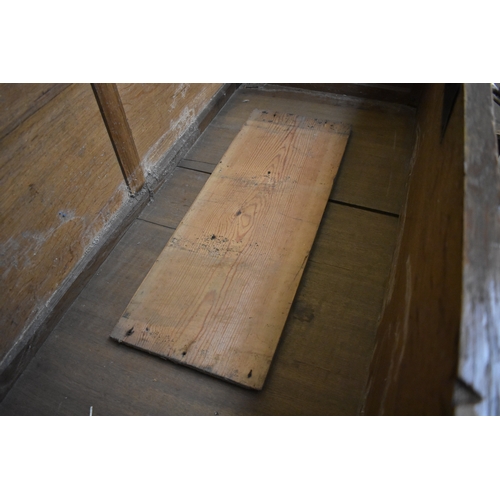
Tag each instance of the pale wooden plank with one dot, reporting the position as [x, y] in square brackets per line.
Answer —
[219, 294]
[375, 166]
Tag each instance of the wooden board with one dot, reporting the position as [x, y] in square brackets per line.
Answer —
[375, 166]
[18, 101]
[61, 186]
[219, 294]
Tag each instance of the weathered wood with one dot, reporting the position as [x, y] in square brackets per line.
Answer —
[401, 93]
[159, 114]
[320, 366]
[415, 361]
[375, 167]
[27, 344]
[479, 350]
[219, 294]
[120, 134]
[61, 185]
[18, 101]
[171, 203]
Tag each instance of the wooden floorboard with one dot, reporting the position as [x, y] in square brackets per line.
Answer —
[173, 200]
[321, 363]
[376, 163]
[218, 295]
[320, 366]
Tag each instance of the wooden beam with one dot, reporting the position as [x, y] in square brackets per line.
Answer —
[120, 134]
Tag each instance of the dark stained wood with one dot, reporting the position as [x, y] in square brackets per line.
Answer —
[198, 166]
[173, 200]
[212, 144]
[401, 93]
[18, 101]
[479, 350]
[415, 362]
[120, 134]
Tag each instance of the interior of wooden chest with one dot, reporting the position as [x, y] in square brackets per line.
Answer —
[376, 326]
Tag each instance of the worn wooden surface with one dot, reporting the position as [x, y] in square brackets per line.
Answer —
[56, 199]
[120, 134]
[415, 361]
[375, 166]
[479, 350]
[160, 113]
[18, 101]
[321, 363]
[402, 93]
[320, 366]
[219, 294]
[174, 200]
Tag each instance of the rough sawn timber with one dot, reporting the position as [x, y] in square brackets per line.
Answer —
[219, 294]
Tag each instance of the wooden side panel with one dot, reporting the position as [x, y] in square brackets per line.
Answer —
[401, 93]
[218, 296]
[158, 114]
[415, 362]
[18, 101]
[479, 366]
[61, 184]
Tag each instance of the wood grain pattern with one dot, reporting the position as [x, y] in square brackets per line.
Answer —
[219, 294]
[173, 200]
[61, 184]
[18, 101]
[403, 93]
[479, 351]
[375, 166]
[120, 134]
[160, 113]
[320, 366]
[415, 362]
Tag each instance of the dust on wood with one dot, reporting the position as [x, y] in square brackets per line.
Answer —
[218, 296]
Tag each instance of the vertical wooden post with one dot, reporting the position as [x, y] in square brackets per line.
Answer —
[120, 134]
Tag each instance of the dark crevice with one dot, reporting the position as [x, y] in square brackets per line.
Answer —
[156, 223]
[197, 169]
[367, 209]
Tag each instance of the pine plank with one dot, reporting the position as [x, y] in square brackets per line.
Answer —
[219, 294]
[320, 366]
[375, 166]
